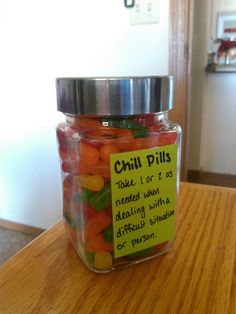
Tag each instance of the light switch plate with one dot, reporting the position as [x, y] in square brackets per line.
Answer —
[144, 12]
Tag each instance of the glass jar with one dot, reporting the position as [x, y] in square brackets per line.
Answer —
[120, 159]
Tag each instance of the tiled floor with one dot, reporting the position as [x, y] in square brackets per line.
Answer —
[11, 242]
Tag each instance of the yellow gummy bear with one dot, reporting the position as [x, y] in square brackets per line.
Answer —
[103, 260]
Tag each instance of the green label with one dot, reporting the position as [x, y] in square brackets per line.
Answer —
[143, 198]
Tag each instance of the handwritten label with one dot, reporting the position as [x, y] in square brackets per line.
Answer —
[143, 198]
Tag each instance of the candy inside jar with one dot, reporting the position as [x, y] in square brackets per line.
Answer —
[119, 171]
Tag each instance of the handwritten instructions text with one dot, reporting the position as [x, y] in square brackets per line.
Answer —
[143, 198]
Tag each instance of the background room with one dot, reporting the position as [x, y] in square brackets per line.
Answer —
[212, 145]
[43, 40]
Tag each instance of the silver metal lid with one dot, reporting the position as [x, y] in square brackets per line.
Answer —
[114, 96]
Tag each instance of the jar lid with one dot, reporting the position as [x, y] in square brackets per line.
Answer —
[114, 96]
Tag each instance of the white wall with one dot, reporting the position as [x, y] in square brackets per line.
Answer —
[213, 99]
[217, 6]
[219, 127]
[225, 5]
[41, 40]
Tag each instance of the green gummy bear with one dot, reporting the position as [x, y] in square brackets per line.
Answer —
[82, 197]
[69, 220]
[137, 129]
[108, 234]
[90, 258]
[102, 199]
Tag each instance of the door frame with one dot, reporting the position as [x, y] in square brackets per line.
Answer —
[180, 61]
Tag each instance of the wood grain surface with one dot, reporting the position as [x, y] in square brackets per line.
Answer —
[197, 276]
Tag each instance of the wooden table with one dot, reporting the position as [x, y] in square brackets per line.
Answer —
[197, 276]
